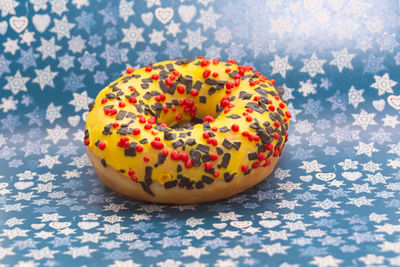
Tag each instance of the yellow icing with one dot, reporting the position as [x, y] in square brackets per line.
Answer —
[115, 155]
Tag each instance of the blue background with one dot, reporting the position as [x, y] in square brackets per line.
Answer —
[333, 198]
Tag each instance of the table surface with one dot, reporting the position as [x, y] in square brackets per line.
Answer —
[333, 198]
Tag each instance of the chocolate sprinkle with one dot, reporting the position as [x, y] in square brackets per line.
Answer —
[229, 177]
[121, 115]
[252, 156]
[225, 160]
[224, 129]
[227, 144]
[203, 148]
[199, 185]
[148, 171]
[234, 116]
[146, 188]
[103, 162]
[207, 179]
[178, 143]
[170, 184]
[203, 99]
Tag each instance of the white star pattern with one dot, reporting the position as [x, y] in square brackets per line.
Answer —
[56, 134]
[16, 83]
[364, 119]
[132, 35]
[383, 84]
[367, 149]
[313, 65]
[45, 77]
[194, 39]
[342, 59]
[280, 65]
[273, 249]
[80, 101]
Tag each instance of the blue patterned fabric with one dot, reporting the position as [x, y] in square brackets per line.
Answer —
[333, 199]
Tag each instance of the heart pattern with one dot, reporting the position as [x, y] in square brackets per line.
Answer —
[18, 24]
[187, 12]
[74, 120]
[41, 22]
[379, 105]
[164, 15]
[147, 18]
[325, 176]
[394, 101]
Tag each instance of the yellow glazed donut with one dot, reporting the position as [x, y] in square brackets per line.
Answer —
[187, 131]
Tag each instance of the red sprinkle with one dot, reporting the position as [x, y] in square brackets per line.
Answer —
[229, 85]
[194, 92]
[206, 135]
[276, 135]
[214, 141]
[189, 164]
[215, 61]
[269, 147]
[235, 127]
[165, 153]
[148, 126]
[214, 129]
[245, 133]
[277, 124]
[216, 174]
[129, 70]
[184, 156]
[208, 118]
[175, 155]
[136, 131]
[281, 105]
[157, 144]
[132, 100]
[139, 148]
[104, 100]
[205, 63]
[131, 172]
[272, 81]
[146, 159]
[227, 70]
[155, 76]
[121, 104]
[102, 145]
[165, 109]
[86, 142]
[115, 125]
[134, 178]
[287, 113]
[215, 74]
[168, 82]
[245, 168]
[142, 120]
[248, 118]
[181, 89]
[208, 165]
[176, 73]
[255, 165]
[267, 162]
[148, 68]
[178, 116]
[206, 73]
[213, 156]
[272, 108]
[261, 156]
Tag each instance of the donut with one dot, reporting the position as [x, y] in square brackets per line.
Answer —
[187, 131]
